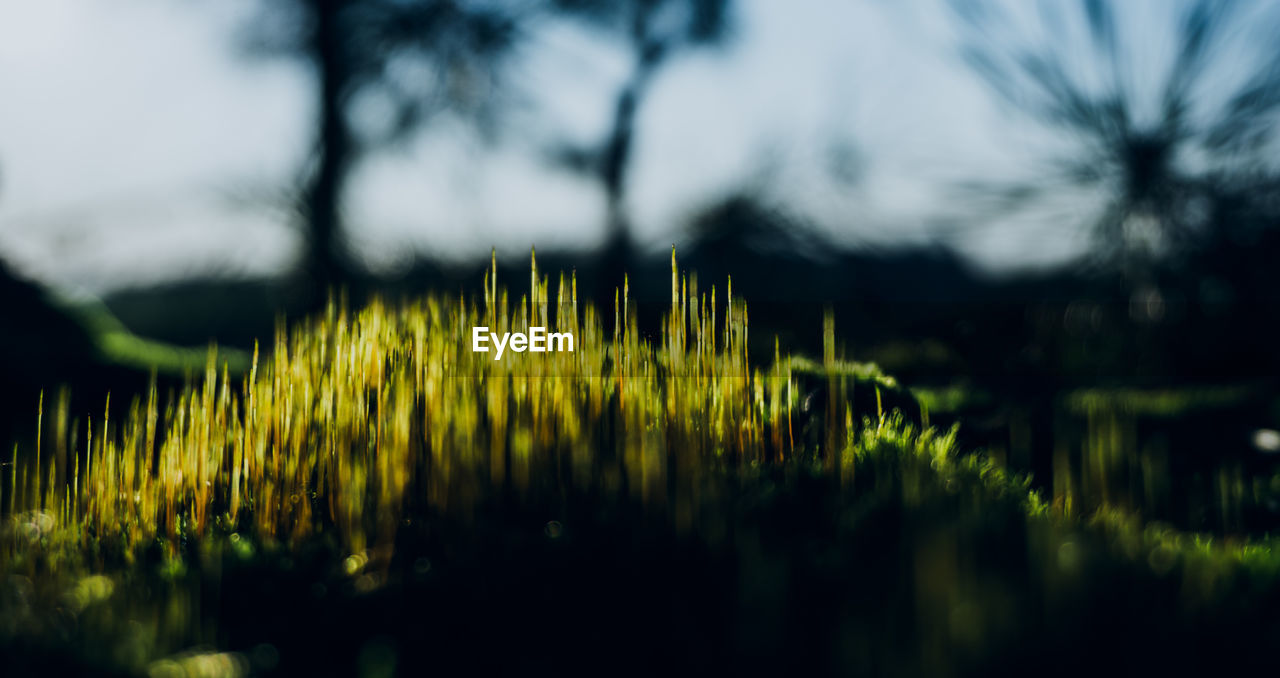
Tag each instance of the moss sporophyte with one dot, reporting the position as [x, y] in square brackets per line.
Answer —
[358, 429]
[351, 420]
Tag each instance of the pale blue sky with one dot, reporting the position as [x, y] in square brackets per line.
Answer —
[127, 125]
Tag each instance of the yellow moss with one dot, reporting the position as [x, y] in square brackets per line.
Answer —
[355, 412]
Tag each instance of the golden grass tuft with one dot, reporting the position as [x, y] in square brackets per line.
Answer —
[356, 417]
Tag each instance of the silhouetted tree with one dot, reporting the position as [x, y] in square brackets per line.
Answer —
[1177, 151]
[655, 32]
[420, 56]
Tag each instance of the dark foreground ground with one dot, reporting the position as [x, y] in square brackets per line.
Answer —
[912, 571]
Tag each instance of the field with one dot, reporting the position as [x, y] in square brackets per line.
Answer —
[370, 497]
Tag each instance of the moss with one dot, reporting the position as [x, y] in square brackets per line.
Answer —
[365, 442]
[1157, 402]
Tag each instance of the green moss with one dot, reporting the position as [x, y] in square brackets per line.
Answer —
[950, 399]
[1157, 402]
[361, 428]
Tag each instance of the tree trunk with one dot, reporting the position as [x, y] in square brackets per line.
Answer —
[615, 162]
[326, 262]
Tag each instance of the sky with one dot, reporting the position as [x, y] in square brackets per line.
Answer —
[138, 144]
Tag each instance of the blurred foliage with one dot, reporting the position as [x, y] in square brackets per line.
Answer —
[409, 59]
[1158, 403]
[654, 32]
[420, 57]
[1180, 163]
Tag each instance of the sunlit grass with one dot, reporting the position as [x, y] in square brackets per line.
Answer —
[356, 415]
[357, 423]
